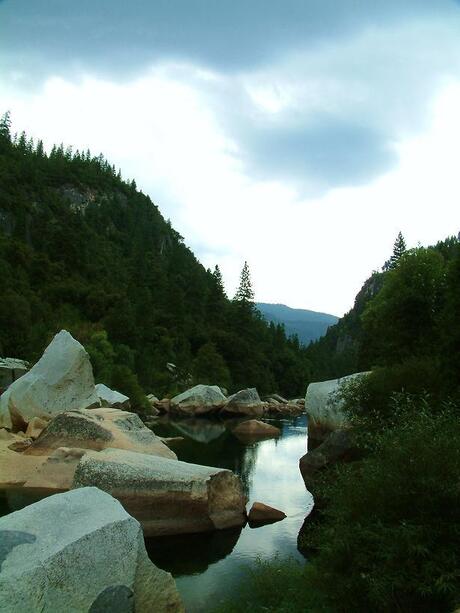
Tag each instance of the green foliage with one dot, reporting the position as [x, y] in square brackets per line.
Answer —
[245, 293]
[389, 538]
[82, 249]
[209, 367]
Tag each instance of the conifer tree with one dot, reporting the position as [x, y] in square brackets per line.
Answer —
[218, 278]
[245, 293]
[5, 125]
[399, 249]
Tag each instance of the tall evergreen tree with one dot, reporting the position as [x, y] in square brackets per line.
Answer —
[399, 249]
[218, 278]
[245, 293]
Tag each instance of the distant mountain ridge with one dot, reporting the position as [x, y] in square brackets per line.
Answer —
[308, 325]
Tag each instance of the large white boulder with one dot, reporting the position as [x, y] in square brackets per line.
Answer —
[166, 496]
[111, 398]
[79, 552]
[98, 429]
[61, 380]
[198, 400]
[324, 405]
[245, 402]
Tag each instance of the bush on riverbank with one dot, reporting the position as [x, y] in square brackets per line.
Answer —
[390, 532]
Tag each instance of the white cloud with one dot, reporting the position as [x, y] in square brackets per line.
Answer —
[165, 131]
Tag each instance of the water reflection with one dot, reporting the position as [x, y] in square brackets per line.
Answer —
[208, 567]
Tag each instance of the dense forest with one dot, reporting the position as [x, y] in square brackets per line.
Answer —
[83, 249]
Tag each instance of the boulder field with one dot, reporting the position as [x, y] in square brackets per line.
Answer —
[209, 399]
[97, 563]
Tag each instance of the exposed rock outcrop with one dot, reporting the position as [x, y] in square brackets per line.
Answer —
[336, 446]
[245, 402]
[261, 513]
[198, 400]
[255, 429]
[324, 405]
[79, 551]
[166, 496]
[98, 429]
[111, 398]
[61, 380]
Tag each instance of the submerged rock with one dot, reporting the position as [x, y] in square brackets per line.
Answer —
[111, 398]
[201, 430]
[255, 429]
[198, 400]
[98, 429]
[261, 513]
[61, 380]
[166, 496]
[80, 551]
[245, 402]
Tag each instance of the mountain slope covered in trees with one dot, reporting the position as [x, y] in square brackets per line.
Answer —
[82, 249]
[307, 325]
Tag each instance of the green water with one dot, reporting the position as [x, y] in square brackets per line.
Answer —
[208, 567]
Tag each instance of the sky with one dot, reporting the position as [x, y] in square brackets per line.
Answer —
[299, 135]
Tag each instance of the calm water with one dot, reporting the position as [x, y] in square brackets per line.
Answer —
[208, 567]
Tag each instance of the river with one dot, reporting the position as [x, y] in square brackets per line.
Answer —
[208, 567]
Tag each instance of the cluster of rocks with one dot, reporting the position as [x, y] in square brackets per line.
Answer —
[96, 469]
[60, 434]
[211, 400]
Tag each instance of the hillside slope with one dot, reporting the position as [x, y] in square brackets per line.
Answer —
[82, 249]
[308, 325]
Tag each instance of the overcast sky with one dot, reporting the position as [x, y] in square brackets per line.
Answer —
[300, 135]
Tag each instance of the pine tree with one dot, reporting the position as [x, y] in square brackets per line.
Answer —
[399, 249]
[245, 293]
[5, 125]
[218, 278]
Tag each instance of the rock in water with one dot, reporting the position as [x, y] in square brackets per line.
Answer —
[254, 429]
[261, 513]
[245, 402]
[111, 398]
[166, 496]
[336, 446]
[198, 400]
[98, 429]
[324, 406]
[79, 552]
[61, 380]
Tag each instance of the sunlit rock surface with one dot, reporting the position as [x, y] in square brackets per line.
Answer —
[198, 400]
[61, 380]
[111, 398]
[79, 551]
[98, 429]
[166, 496]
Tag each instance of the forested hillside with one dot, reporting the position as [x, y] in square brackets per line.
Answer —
[82, 249]
[307, 325]
[406, 314]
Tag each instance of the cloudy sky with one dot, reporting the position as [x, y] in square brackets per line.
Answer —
[300, 135]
